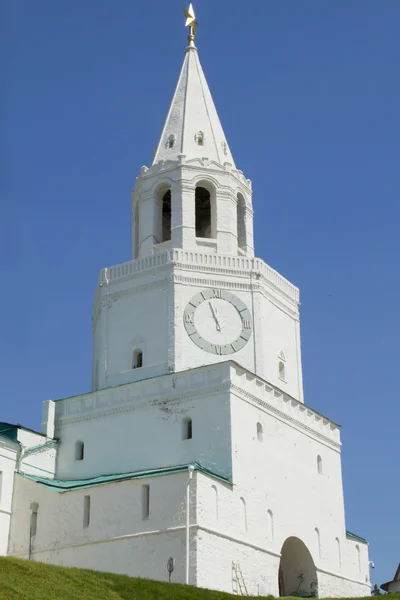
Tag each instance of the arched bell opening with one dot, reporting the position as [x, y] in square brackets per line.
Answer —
[136, 230]
[166, 213]
[162, 214]
[241, 222]
[297, 572]
[205, 217]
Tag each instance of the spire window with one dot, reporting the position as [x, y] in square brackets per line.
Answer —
[199, 138]
[171, 141]
[203, 212]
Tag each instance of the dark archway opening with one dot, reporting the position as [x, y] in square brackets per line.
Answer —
[297, 572]
[203, 212]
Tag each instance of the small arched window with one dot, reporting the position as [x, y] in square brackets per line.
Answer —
[241, 222]
[34, 518]
[319, 464]
[260, 432]
[166, 216]
[137, 359]
[79, 450]
[203, 212]
[199, 137]
[187, 428]
[282, 370]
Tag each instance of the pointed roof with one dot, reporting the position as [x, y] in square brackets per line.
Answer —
[193, 115]
[385, 586]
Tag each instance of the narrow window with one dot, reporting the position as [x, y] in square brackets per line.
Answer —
[318, 537]
[270, 525]
[96, 376]
[166, 216]
[244, 513]
[145, 501]
[200, 138]
[137, 359]
[171, 141]
[34, 518]
[319, 464]
[136, 229]
[339, 552]
[79, 450]
[260, 432]
[241, 223]
[358, 557]
[203, 212]
[215, 492]
[187, 429]
[86, 511]
[282, 370]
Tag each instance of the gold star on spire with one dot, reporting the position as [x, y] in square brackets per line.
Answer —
[191, 22]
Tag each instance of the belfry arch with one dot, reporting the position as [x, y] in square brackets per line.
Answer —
[297, 572]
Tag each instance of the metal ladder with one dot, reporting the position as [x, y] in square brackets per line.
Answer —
[239, 586]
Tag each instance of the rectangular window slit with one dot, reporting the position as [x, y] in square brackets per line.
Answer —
[145, 501]
[86, 511]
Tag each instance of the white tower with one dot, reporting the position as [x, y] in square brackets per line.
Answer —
[194, 294]
[196, 363]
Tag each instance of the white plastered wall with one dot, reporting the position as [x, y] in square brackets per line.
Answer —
[118, 538]
[8, 457]
[146, 420]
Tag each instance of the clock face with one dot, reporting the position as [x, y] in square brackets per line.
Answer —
[217, 321]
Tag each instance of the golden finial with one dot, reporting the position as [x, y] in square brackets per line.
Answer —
[191, 22]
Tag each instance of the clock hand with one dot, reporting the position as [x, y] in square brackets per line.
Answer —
[214, 314]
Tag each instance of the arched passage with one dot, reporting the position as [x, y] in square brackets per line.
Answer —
[297, 572]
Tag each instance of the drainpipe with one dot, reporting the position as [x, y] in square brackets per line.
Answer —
[191, 469]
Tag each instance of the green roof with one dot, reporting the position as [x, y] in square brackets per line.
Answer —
[9, 431]
[58, 485]
[356, 537]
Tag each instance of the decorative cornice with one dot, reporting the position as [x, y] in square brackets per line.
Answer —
[237, 266]
[122, 406]
[206, 166]
[284, 416]
[165, 391]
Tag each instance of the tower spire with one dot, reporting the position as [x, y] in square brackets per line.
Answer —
[192, 127]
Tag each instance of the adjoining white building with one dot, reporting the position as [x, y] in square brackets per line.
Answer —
[21, 450]
[196, 361]
[393, 586]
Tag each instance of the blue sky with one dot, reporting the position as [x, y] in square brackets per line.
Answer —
[308, 94]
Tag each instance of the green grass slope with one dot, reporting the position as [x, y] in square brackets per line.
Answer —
[28, 580]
